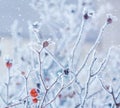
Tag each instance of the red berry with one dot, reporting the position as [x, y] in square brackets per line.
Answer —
[35, 100]
[34, 93]
[8, 64]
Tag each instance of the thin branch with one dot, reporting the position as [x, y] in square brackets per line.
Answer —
[7, 85]
[103, 64]
[111, 93]
[88, 81]
[55, 81]
[63, 87]
[18, 103]
[78, 40]
[39, 53]
[54, 97]
[54, 58]
[92, 48]
[94, 94]
[3, 99]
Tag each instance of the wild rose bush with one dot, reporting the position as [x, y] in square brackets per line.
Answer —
[50, 70]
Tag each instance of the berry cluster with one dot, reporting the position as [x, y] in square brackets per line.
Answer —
[34, 95]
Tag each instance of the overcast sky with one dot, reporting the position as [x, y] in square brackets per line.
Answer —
[11, 10]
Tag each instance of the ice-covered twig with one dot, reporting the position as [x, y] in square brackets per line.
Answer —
[54, 58]
[111, 92]
[88, 81]
[3, 99]
[62, 87]
[92, 48]
[77, 41]
[7, 87]
[18, 103]
[104, 63]
[26, 87]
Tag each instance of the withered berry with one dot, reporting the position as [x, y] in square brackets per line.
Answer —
[86, 16]
[66, 71]
[45, 44]
[109, 20]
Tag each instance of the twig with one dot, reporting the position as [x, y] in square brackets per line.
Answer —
[92, 48]
[54, 97]
[63, 87]
[54, 58]
[26, 87]
[3, 99]
[103, 64]
[7, 85]
[111, 93]
[55, 81]
[78, 40]
[18, 103]
[88, 81]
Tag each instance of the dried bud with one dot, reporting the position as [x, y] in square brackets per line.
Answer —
[46, 54]
[86, 16]
[60, 95]
[66, 71]
[107, 87]
[45, 44]
[23, 73]
[109, 20]
[36, 24]
[38, 85]
[84, 3]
